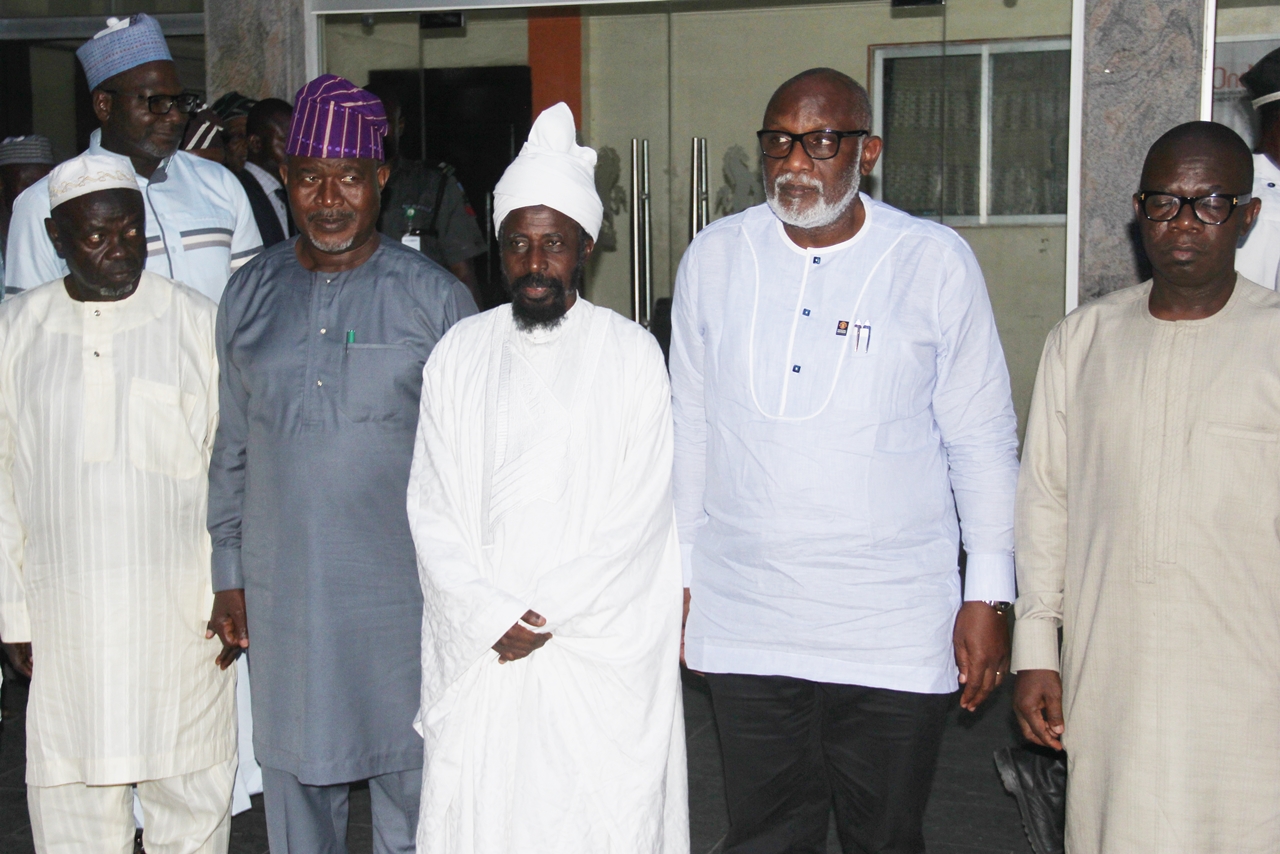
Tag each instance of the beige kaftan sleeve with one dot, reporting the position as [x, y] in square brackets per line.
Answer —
[15, 624]
[1040, 527]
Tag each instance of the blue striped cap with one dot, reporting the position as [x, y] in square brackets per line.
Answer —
[32, 148]
[125, 43]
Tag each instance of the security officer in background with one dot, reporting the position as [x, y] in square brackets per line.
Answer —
[1258, 258]
[425, 206]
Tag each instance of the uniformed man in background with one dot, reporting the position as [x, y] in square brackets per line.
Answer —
[426, 207]
[1258, 258]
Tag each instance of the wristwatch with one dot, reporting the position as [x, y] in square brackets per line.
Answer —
[1001, 607]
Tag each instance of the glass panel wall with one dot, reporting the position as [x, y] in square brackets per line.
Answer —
[1246, 31]
[971, 99]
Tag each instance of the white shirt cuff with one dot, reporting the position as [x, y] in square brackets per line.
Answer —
[990, 578]
[686, 562]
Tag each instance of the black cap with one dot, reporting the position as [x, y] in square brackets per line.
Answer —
[1264, 78]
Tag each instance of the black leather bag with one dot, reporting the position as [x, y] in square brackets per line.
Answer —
[1037, 779]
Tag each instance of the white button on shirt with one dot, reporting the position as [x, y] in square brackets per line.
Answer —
[829, 403]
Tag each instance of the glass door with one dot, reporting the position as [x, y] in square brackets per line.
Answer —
[971, 98]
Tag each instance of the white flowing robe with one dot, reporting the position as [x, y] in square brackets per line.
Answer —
[542, 480]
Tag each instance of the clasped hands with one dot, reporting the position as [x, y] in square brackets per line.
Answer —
[520, 642]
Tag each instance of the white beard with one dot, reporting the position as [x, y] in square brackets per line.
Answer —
[820, 213]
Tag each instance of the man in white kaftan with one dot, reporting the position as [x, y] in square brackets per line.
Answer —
[1148, 531]
[540, 497]
[108, 400]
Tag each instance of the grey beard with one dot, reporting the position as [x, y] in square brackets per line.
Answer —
[333, 247]
[821, 213]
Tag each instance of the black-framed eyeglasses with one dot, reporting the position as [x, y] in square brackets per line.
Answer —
[1213, 209]
[160, 105]
[818, 144]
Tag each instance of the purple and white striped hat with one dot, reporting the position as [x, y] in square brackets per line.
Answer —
[335, 118]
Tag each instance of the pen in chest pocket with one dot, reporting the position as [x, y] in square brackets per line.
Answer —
[862, 337]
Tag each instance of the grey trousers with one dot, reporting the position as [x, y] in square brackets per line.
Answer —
[304, 819]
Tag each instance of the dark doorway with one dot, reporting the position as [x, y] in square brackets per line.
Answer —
[15, 71]
[474, 119]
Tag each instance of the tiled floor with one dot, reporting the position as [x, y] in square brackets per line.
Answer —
[969, 813]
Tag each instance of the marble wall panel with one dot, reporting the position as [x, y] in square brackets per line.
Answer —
[255, 47]
[1142, 77]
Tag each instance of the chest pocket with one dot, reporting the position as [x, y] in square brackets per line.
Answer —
[160, 439]
[1231, 489]
[380, 383]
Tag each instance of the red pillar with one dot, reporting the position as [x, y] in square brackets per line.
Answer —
[555, 58]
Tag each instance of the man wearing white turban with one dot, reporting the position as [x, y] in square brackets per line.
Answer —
[540, 505]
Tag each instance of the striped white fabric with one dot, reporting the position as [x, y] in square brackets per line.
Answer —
[186, 814]
[107, 416]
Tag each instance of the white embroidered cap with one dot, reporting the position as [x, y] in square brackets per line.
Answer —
[90, 173]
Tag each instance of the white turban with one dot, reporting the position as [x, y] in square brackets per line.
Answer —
[552, 170]
[90, 173]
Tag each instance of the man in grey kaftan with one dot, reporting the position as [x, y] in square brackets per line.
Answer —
[307, 504]
[322, 343]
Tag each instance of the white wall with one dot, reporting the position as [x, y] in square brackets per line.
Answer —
[1248, 17]
[351, 49]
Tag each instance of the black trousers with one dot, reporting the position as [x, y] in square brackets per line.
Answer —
[793, 749]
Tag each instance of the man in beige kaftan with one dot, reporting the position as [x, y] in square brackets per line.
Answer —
[108, 400]
[1148, 529]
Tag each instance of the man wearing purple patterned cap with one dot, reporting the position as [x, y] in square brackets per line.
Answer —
[321, 340]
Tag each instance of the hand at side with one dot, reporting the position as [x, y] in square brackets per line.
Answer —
[1037, 703]
[981, 639]
[20, 657]
[229, 623]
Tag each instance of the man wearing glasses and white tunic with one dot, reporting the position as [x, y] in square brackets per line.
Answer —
[200, 227]
[840, 394]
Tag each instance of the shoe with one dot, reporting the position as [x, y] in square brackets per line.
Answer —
[1037, 779]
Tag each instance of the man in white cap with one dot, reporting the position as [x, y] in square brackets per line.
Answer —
[23, 161]
[200, 228]
[540, 503]
[108, 400]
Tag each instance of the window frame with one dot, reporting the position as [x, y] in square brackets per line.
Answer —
[986, 49]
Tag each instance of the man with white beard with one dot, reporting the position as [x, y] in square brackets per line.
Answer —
[840, 395]
[540, 504]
